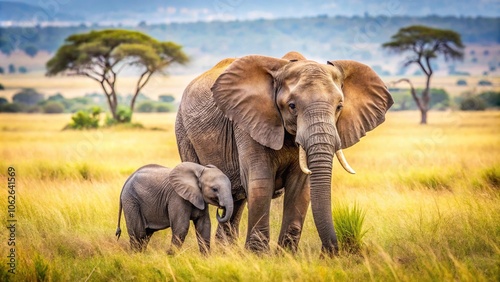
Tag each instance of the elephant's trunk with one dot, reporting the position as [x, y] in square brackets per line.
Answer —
[320, 164]
[320, 140]
[227, 206]
[340, 156]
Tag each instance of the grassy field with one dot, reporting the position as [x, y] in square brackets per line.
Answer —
[431, 195]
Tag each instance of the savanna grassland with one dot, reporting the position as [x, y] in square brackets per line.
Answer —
[431, 195]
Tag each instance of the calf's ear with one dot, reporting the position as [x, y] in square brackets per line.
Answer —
[184, 178]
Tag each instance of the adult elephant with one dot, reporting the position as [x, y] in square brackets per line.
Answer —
[256, 116]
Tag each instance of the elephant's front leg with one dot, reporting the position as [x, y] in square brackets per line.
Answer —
[203, 227]
[180, 227]
[295, 205]
[260, 192]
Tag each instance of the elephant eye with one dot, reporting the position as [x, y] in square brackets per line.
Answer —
[292, 106]
[339, 107]
[214, 189]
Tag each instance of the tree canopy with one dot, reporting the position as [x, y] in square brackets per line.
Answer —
[422, 44]
[102, 55]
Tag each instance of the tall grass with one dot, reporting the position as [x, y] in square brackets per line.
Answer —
[429, 193]
[349, 226]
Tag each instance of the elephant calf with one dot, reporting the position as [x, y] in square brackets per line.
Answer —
[155, 198]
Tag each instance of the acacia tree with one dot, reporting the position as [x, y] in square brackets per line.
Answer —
[102, 55]
[424, 44]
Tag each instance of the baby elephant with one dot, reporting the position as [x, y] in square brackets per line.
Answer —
[155, 197]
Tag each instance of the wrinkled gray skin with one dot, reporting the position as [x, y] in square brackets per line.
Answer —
[155, 198]
[248, 116]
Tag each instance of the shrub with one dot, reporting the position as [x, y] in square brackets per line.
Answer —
[33, 109]
[123, 115]
[461, 82]
[23, 70]
[85, 119]
[145, 107]
[53, 107]
[491, 98]
[3, 101]
[439, 98]
[11, 108]
[28, 96]
[492, 176]
[472, 104]
[166, 98]
[484, 82]
[2, 87]
[349, 227]
[165, 108]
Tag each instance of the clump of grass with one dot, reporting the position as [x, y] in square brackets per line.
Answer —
[41, 269]
[430, 179]
[349, 227]
[492, 176]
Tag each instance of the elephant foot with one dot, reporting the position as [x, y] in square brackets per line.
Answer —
[290, 241]
[258, 243]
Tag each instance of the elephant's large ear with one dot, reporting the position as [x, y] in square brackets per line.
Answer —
[294, 56]
[366, 100]
[184, 178]
[245, 93]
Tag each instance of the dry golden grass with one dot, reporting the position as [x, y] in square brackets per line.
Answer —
[430, 193]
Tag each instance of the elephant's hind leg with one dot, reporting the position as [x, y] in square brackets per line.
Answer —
[136, 228]
[185, 147]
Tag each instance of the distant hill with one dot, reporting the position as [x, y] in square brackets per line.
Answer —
[22, 12]
[319, 37]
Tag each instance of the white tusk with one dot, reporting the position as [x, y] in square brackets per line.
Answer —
[303, 161]
[343, 161]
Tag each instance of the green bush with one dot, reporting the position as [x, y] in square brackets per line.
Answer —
[165, 108]
[473, 104]
[166, 98]
[145, 107]
[2, 87]
[491, 98]
[123, 115]
[3, 101]
[484, 82]
[53, 107]
[11, 108]
[28, 96]
[34, 109]
[439, 99]
[349, 227]
[85, 119]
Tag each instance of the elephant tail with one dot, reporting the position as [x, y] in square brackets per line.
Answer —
[118, 229]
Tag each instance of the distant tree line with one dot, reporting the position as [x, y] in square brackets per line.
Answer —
[29, 100]
[440, 100]
[11, 68]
